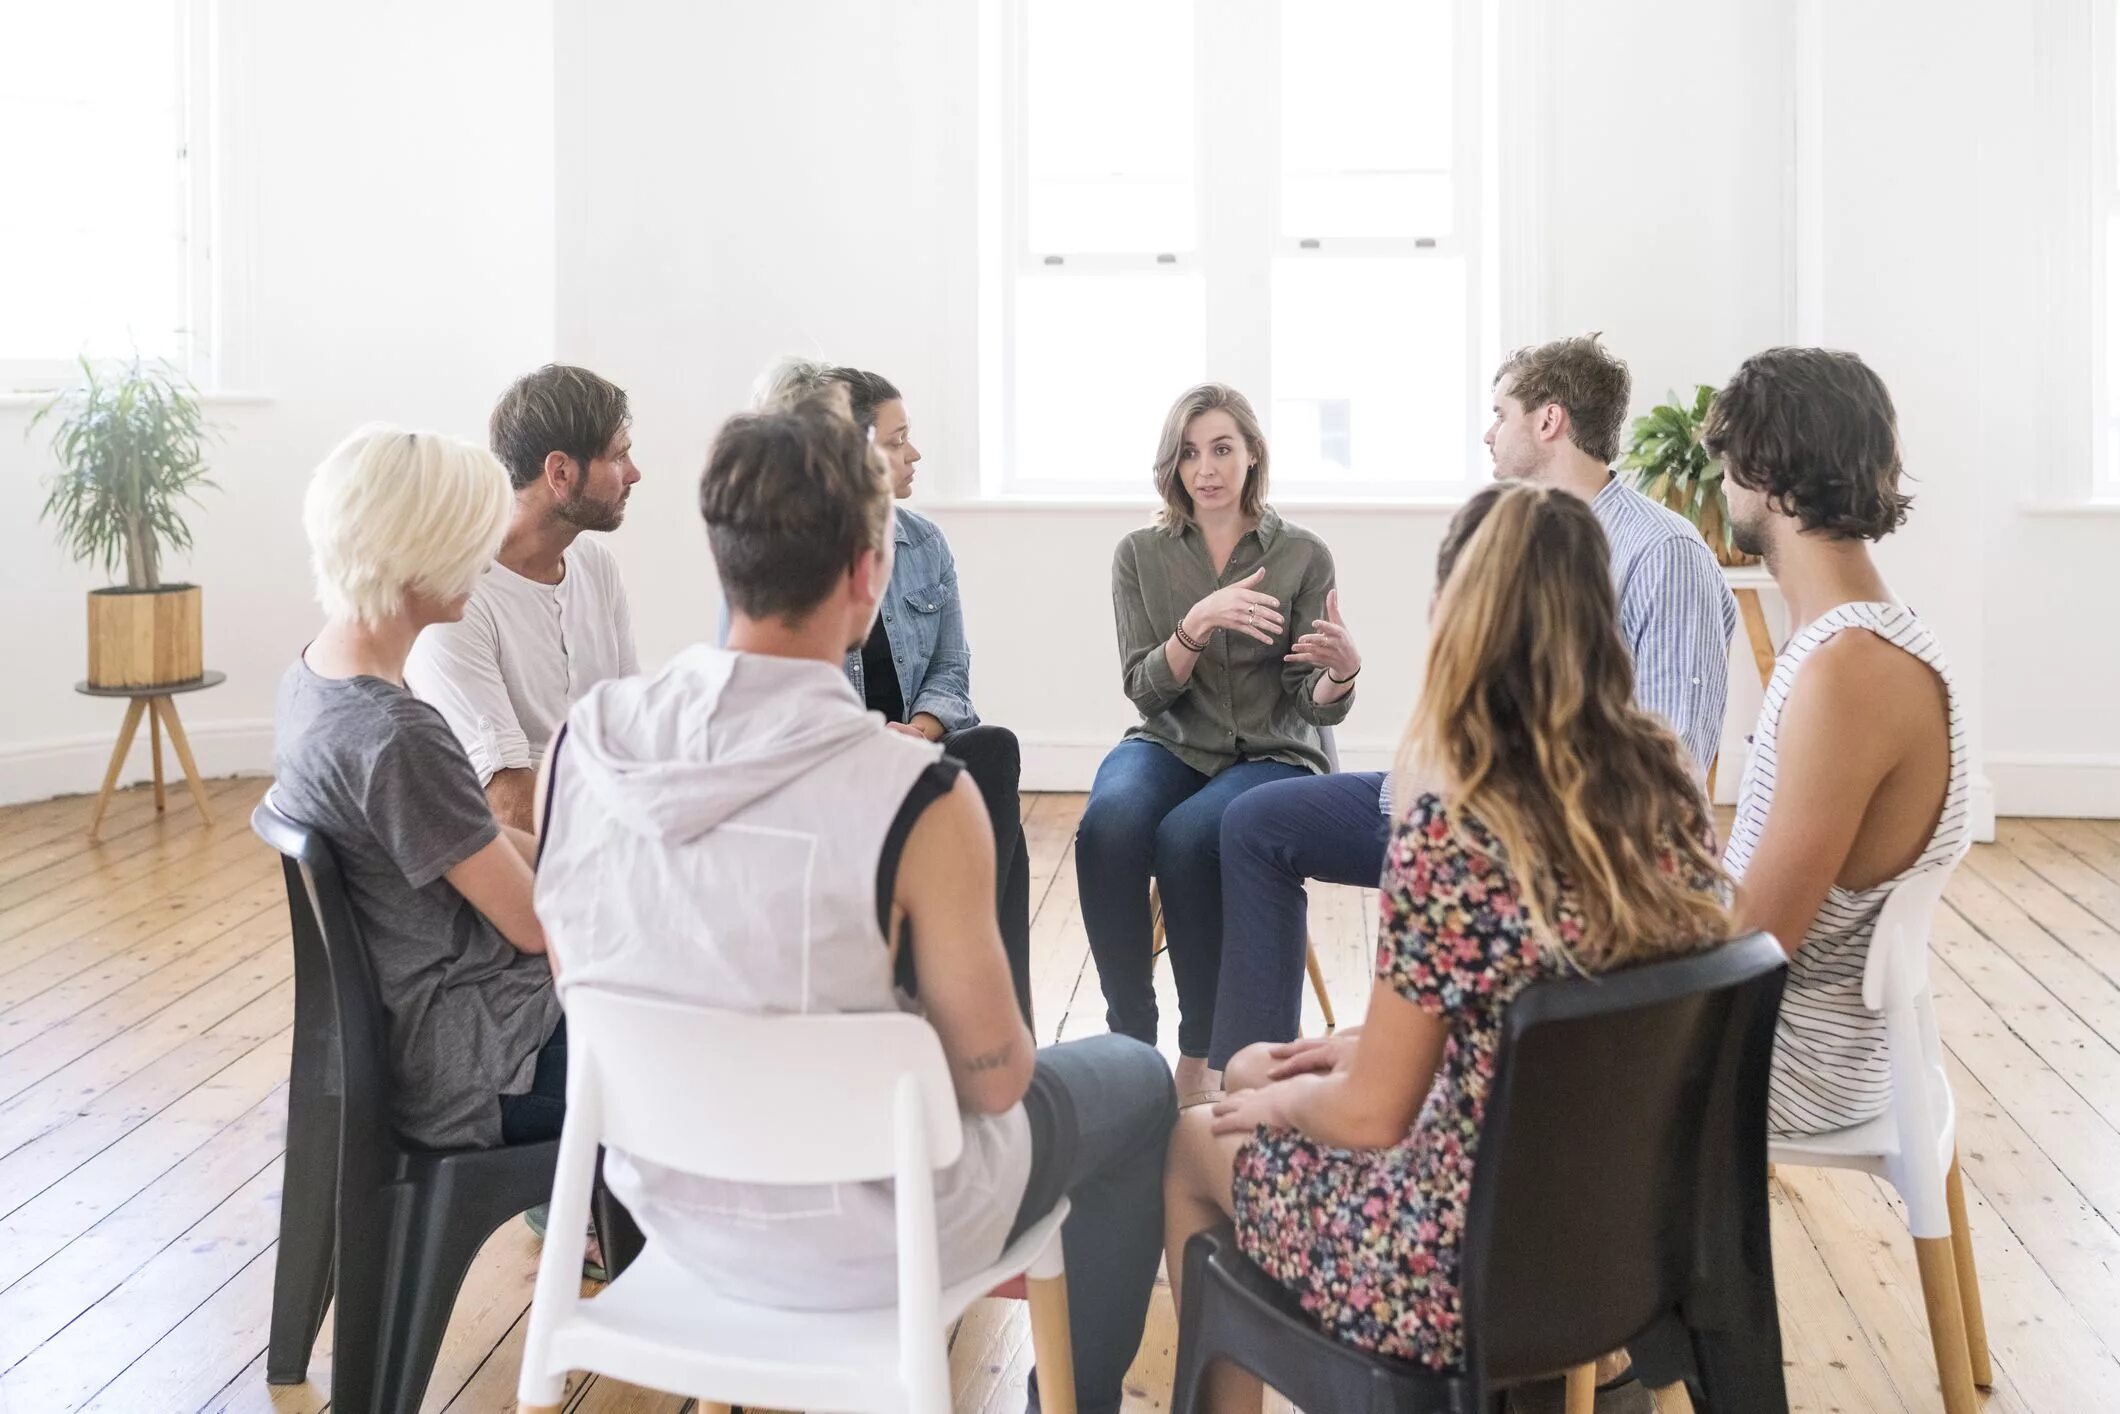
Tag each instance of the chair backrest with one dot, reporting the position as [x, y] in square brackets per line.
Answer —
[335, 989]
[1896, 971]
[757, 1099]
[1625, 1137]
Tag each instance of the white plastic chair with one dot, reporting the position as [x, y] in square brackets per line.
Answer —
[787, 1099]
[1914, 1145]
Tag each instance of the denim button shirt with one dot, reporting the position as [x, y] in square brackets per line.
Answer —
[924, 619]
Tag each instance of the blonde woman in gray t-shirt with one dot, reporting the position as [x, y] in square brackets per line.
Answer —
[1232, 650]
[400, 526]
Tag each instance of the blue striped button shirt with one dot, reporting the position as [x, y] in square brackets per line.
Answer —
[1676, 615]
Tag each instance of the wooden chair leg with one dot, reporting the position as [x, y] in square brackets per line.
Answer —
[1939, 1292]
[1976, 1340]
[1052, 1345]
[1581, 1395]
[1317, 984]
[1157, 943]
[154, 737]
[168, 709]
[1672, 1399]
[117, 762]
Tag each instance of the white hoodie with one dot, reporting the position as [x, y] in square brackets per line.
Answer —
[714, 838]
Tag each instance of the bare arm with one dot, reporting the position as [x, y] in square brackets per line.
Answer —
[945, 886]
[509, 790]
[1369, 1103]
[498, 882]
[1836, 743]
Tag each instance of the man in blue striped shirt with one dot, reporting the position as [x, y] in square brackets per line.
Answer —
[1558, 411]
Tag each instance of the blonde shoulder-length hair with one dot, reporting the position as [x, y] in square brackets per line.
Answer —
[1527, 726]
[1177, 511]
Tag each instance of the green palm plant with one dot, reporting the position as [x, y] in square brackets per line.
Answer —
[130, 443]
[1668, 463]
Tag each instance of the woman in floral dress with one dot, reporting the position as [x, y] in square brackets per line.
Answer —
[1348, 1171]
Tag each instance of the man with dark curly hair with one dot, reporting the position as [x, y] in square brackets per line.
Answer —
[1857, 780]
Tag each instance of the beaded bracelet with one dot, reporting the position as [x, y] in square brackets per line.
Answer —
[1185, 639]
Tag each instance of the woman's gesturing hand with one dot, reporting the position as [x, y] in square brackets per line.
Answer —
[1328, 645]
[1239, 607]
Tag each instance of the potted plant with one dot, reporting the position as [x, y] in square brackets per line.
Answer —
[128, 439]
[1670, 465]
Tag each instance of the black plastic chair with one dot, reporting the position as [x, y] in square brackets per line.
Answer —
[1619, 1199]
[389, 1230]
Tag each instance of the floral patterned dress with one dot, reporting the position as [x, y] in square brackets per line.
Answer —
[1369, 1239]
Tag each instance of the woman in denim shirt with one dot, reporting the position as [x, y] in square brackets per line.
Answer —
[916, 667]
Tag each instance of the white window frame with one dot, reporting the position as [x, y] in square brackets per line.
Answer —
[191, 189]
[1240, 166]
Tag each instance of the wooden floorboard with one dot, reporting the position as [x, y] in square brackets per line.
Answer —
[145, 1006]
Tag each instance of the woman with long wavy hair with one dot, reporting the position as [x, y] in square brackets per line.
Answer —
[1546, 825]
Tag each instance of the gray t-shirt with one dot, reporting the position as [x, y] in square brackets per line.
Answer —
[378, 772]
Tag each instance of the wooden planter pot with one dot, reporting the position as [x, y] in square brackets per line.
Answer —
[144, 637]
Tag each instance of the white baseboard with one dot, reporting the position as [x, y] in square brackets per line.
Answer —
[39, 770]
[2037, 783]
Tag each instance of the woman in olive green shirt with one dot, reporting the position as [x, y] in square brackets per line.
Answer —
[1232, 649]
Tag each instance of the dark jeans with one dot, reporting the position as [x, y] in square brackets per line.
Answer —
[1101, 1111]
[1150, 812]
[991, 758]
[538, 1112]
[1273, 838]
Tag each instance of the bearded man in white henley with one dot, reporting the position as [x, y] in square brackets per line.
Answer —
[548, 620]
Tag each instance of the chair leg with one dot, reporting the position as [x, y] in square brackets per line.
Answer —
[1317, 984]
[1976, 1340]
[1939, 1291]
[1157, 942]
[1581, 1396]
[1052, 1344]
[1672, 1399]
[309, 1191]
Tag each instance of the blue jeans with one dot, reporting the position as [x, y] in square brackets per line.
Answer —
[1148, 813]
[1321, 827]
[1100, 1112]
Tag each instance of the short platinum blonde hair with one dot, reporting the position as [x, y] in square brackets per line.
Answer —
[390, 511]
[789, 382]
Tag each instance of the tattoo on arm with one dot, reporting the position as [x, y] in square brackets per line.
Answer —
[991, 1060]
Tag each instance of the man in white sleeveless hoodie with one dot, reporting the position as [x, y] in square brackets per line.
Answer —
[739, 831]
[1857, 779]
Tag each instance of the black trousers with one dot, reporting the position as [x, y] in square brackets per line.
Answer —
[995, 764]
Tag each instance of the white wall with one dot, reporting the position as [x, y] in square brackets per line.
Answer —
[692, 190]
[387, 254]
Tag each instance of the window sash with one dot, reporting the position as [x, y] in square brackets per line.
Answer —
[189, 190]
[1238, 237]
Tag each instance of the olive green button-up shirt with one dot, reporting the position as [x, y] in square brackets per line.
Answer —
[1242, 701]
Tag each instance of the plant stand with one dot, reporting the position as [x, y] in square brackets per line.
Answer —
[161, 711]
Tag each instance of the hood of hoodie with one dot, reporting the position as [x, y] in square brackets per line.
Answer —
[674, 755]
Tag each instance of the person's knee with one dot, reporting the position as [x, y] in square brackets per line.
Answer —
[1189, 846]
[1141, 1077]
[1250, 1068]
[1115, 827]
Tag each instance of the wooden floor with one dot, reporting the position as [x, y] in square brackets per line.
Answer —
[145, 1001]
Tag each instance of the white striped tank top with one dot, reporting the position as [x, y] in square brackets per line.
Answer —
[1830, 1067]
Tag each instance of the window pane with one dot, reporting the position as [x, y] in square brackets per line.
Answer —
[1366, 117]
[1369, 371]
[1099, 360]
[1109, 112]
[90, 121]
